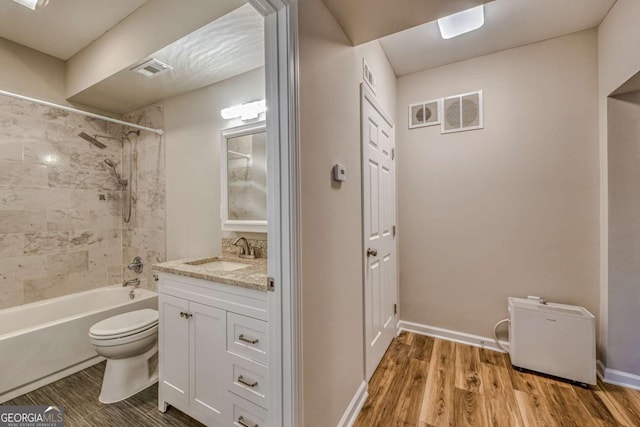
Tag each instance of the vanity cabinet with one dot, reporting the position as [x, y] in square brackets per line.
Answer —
[213, 351]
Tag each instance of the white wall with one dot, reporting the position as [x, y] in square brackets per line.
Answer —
[510, 210]
[192, 125]
[618, 60]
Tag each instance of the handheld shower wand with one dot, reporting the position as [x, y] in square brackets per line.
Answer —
[112, 166]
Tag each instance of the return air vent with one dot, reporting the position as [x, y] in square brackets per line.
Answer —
[151, 68]
[462, 112]
[425, 113]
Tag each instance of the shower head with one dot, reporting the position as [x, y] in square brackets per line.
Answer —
[112, 166]
[92, 140]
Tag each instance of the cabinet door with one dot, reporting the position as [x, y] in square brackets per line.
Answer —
[173, 343]
[208, 348]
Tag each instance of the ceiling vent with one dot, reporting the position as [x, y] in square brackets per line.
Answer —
[151, 68]
[462, 112]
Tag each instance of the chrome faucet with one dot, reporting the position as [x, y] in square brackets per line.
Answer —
[133, 282]
[246, 251]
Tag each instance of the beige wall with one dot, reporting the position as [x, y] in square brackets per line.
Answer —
[618, 60]
[332, 332]
[330, 70]
[623, 344]
[510, 210]
[31, 73]
[192, 125]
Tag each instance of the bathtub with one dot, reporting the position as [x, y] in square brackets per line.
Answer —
[44, 341]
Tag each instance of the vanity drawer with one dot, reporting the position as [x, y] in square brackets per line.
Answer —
[247, 337]
[246, 413]
[248, 379]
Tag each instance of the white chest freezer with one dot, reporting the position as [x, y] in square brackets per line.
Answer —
[554, 339]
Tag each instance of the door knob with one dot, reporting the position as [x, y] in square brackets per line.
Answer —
[372, 252]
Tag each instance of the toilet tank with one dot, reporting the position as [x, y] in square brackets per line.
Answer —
[554, 339]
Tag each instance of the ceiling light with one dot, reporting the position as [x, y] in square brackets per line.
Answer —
[248, 111]
[33, 4]
[461, 22]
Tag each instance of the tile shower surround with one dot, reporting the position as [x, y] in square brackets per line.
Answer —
[61, 228]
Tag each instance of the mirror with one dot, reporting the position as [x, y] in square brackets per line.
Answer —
[244, 178]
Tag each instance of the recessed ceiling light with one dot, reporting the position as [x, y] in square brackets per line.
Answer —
[462, 22]
[33, 4]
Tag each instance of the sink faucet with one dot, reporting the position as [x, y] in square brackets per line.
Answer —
[246, 251]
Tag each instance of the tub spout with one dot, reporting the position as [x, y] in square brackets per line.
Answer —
[133, 282]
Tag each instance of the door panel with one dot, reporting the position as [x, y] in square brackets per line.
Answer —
[173, 342]
[379, 201]
[208, 351]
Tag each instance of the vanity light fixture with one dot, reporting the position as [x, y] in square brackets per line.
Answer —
[249, 111]
[462, 22]
[33, 4]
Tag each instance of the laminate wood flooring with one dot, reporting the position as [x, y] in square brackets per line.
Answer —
[79, 393]
[427, 382]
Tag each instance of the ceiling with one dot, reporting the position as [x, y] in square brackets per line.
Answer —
[366, 20]
[230, 45]
[63, 27]
[508, 24]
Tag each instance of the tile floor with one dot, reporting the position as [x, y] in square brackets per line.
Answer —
[78, 394]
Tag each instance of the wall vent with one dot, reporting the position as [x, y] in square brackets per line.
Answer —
[368, 76]
[151, 68]
[462, 112]
[426, 113]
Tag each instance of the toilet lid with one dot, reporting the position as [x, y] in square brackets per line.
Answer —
[125, 323]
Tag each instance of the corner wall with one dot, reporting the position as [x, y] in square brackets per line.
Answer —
[509, 210]
[618, 60]
[332, 269]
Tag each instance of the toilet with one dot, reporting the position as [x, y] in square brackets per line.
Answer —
[129, 342]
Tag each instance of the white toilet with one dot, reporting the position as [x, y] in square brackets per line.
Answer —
[129, 342]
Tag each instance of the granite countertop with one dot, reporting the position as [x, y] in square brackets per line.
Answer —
[252, 277]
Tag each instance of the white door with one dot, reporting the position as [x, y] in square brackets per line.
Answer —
[379, 201]
[174, 349]
[208, 355]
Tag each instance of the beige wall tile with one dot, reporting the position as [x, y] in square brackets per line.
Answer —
[22, 221]
[23, 268]
[46, 243]
[11, 293]
[21, 174]
[11, 245]
[74, 262]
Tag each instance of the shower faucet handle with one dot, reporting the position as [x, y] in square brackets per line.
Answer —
[136, 266]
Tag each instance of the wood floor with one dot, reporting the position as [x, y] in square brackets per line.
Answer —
[423, 382]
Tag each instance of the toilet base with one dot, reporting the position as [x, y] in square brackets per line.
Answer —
[125, 377]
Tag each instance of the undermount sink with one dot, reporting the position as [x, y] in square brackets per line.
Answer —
[218, 265]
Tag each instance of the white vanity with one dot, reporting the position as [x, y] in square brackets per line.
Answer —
[213, 340]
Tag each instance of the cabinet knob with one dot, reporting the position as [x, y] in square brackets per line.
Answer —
[186, 315]
[372, 252]
[245, 423]
[248, 340]
[241, 380]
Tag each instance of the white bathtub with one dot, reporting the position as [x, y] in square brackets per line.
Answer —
[44, 341]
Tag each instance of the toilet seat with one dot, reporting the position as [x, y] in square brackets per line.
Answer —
[125, 325]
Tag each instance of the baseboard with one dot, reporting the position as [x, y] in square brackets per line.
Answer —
[455, 336]
[350, 415]
[623, 379]
[19, 391]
